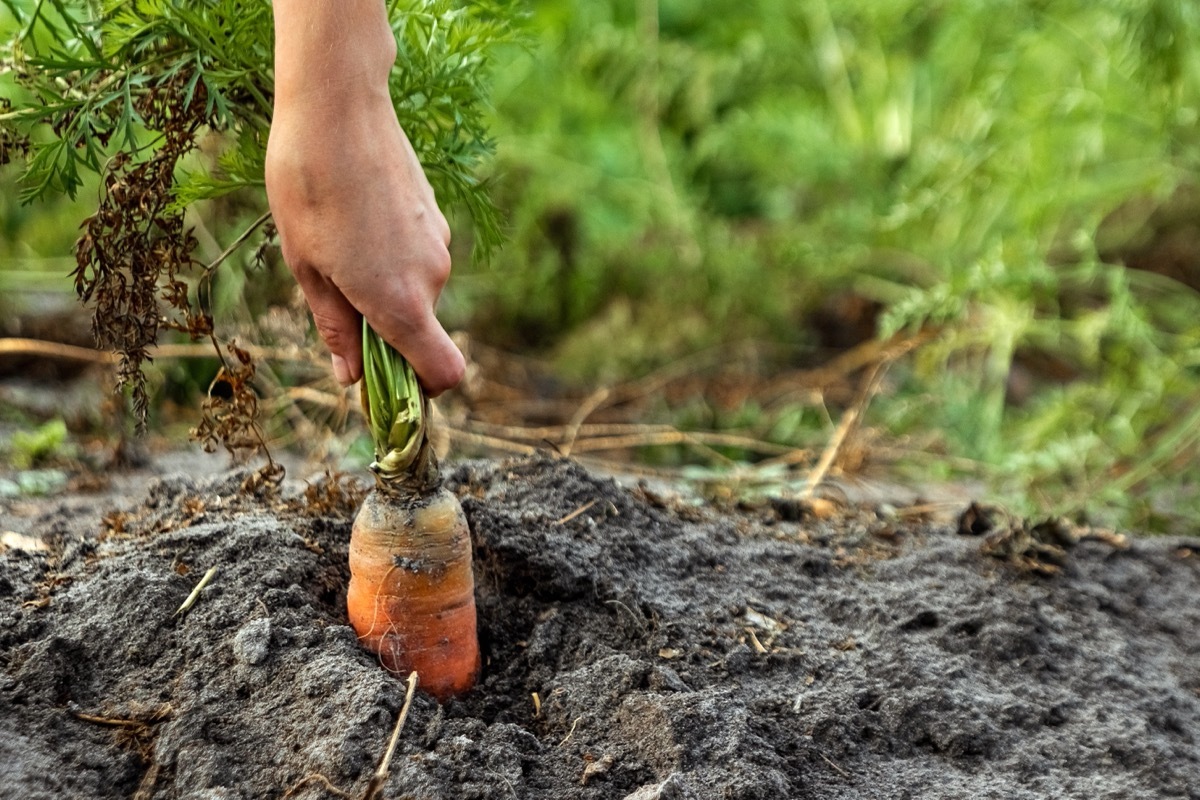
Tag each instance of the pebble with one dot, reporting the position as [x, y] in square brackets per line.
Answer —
[252, 644]
[675, 787]
[738, 659]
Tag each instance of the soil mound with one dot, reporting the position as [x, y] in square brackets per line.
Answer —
[635, 647]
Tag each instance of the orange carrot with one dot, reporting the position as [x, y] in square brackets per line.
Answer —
[412, 591]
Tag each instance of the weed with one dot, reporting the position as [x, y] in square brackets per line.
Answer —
[970, 172]
[28, 449]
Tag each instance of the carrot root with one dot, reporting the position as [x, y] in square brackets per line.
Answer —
[412, 590]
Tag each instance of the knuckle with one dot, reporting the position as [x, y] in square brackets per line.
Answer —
[409, 314]
[332, 331]
[439, 266]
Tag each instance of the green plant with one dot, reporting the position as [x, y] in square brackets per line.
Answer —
[30, 448]
[965, 167]
[130, 90]
[978, 169]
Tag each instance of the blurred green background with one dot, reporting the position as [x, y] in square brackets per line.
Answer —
[788, 179]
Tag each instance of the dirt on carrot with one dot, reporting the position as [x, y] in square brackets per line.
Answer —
[635, 646]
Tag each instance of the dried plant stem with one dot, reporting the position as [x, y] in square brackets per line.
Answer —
[15, 346]
[831, 763]
[571, 732]
[236, 243]
[594, 400]
[195, 595]
[55, 350]
[115, 722]
[850, 419]
[591, 438]
[848, 423]
[564, 520]
[491, 442]
[375, 786]
[317, 778]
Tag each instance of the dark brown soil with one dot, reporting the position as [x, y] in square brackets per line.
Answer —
[675, 652]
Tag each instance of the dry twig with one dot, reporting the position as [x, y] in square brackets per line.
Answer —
[758, 646]
[375, 786]
[830, 762]
[16, 346]
[846, 426]
[315, 777]
[571, 732]
[585, 410]
[575, 513]
[195, 595]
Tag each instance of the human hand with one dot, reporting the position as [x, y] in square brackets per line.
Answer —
[358, 222]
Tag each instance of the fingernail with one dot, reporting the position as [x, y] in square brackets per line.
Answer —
[341, 371]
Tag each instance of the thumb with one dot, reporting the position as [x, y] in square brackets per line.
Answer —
[339, 324]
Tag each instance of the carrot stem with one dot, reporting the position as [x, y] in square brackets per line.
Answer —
[396, 409]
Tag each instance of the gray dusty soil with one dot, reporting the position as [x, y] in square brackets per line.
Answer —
[675, 652]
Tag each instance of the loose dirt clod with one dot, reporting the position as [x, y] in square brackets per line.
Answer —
[1039, 547]
[596, 768]
[966, 677]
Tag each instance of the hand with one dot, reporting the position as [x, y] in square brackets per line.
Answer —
[357, 219]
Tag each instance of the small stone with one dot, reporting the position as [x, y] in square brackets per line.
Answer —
[675, 787]
[252, 644]
[596, 768]
[11, 540]
[738, 659]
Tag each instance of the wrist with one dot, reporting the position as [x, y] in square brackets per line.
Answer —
[332, 53]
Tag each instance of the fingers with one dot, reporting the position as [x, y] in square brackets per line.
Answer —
[438, 362]
[365, 240]
[402, 312]
[339, 324]
[410, 326]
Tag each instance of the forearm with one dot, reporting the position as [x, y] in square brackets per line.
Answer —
[331, 50]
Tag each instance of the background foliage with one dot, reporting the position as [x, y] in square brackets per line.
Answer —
[1017, 176]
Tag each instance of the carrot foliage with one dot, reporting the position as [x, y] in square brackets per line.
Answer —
[169, 102]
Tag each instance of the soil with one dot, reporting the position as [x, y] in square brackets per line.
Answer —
[637, 646]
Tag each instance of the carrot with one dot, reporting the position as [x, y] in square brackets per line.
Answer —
[412, 590]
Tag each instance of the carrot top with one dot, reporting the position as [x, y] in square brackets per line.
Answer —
[396, 410]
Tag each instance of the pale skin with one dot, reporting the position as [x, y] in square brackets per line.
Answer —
[358, 222]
